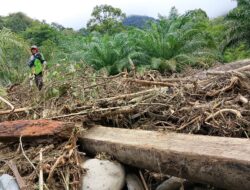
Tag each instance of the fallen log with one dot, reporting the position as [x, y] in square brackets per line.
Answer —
[222, 162]
[244, 68]
[225, 68]
[232, 66]
[28, 129]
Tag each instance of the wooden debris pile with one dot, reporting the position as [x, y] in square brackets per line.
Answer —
[216, 105]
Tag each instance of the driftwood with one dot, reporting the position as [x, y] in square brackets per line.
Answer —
[7, 102]
[149, 83]
[223, 69]
[232, 66]
[92, 109]
[107, 111]
[18, 110]
[176, 80]
[41, 170]
[240, 69]
[13, 130]
[132, 95]
[203, 159]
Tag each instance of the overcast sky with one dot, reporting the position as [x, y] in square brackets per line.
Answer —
[76, 13]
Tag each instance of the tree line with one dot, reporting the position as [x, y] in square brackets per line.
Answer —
[168, 44]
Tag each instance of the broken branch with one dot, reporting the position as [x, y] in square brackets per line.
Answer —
[8, 103]
[236, 112]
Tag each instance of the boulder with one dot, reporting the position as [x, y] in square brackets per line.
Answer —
[103, 175]
[133, 182]
[173, 183]
[8, 182]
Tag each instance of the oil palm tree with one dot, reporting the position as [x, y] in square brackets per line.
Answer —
[179, 39]
[111, 52]
[238, 24]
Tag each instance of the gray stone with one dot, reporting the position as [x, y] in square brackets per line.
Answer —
[8, 182]
[133, 182]
[173, 183]
[103, 175]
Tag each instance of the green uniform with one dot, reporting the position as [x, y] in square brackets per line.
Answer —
[36, 62]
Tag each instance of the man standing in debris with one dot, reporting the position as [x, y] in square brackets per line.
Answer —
[37, 64]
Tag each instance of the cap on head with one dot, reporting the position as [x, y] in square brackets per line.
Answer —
[34, 47]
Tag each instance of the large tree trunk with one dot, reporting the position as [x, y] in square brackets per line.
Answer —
[28, 129]
[223, 162]
[233, 66]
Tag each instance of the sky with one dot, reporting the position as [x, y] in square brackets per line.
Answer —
[76, 13]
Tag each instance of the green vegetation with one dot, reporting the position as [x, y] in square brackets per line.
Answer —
[138, 21]
[181, 40]
[17, 22]
[168, 44]
[13, 55]
[106, 19]
[238, 23]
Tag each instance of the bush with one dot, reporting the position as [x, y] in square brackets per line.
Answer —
[239, 51]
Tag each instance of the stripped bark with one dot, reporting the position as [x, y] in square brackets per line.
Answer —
[13, 130]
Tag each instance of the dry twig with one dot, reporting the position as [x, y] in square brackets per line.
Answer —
[143, 180]
[236, 112]
[8, 103]
[41, 170]
[21, 145]
[19, 179]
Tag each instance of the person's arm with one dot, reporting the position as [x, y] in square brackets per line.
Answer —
[31, 64]
[31, 61]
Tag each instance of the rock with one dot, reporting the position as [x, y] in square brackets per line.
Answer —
[103, 175]
[133, 182]
[172, 183]
[8, 182]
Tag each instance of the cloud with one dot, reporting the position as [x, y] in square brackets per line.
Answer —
[76, 13]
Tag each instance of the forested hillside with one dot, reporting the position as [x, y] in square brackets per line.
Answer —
[169, 45]
[138, 21]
